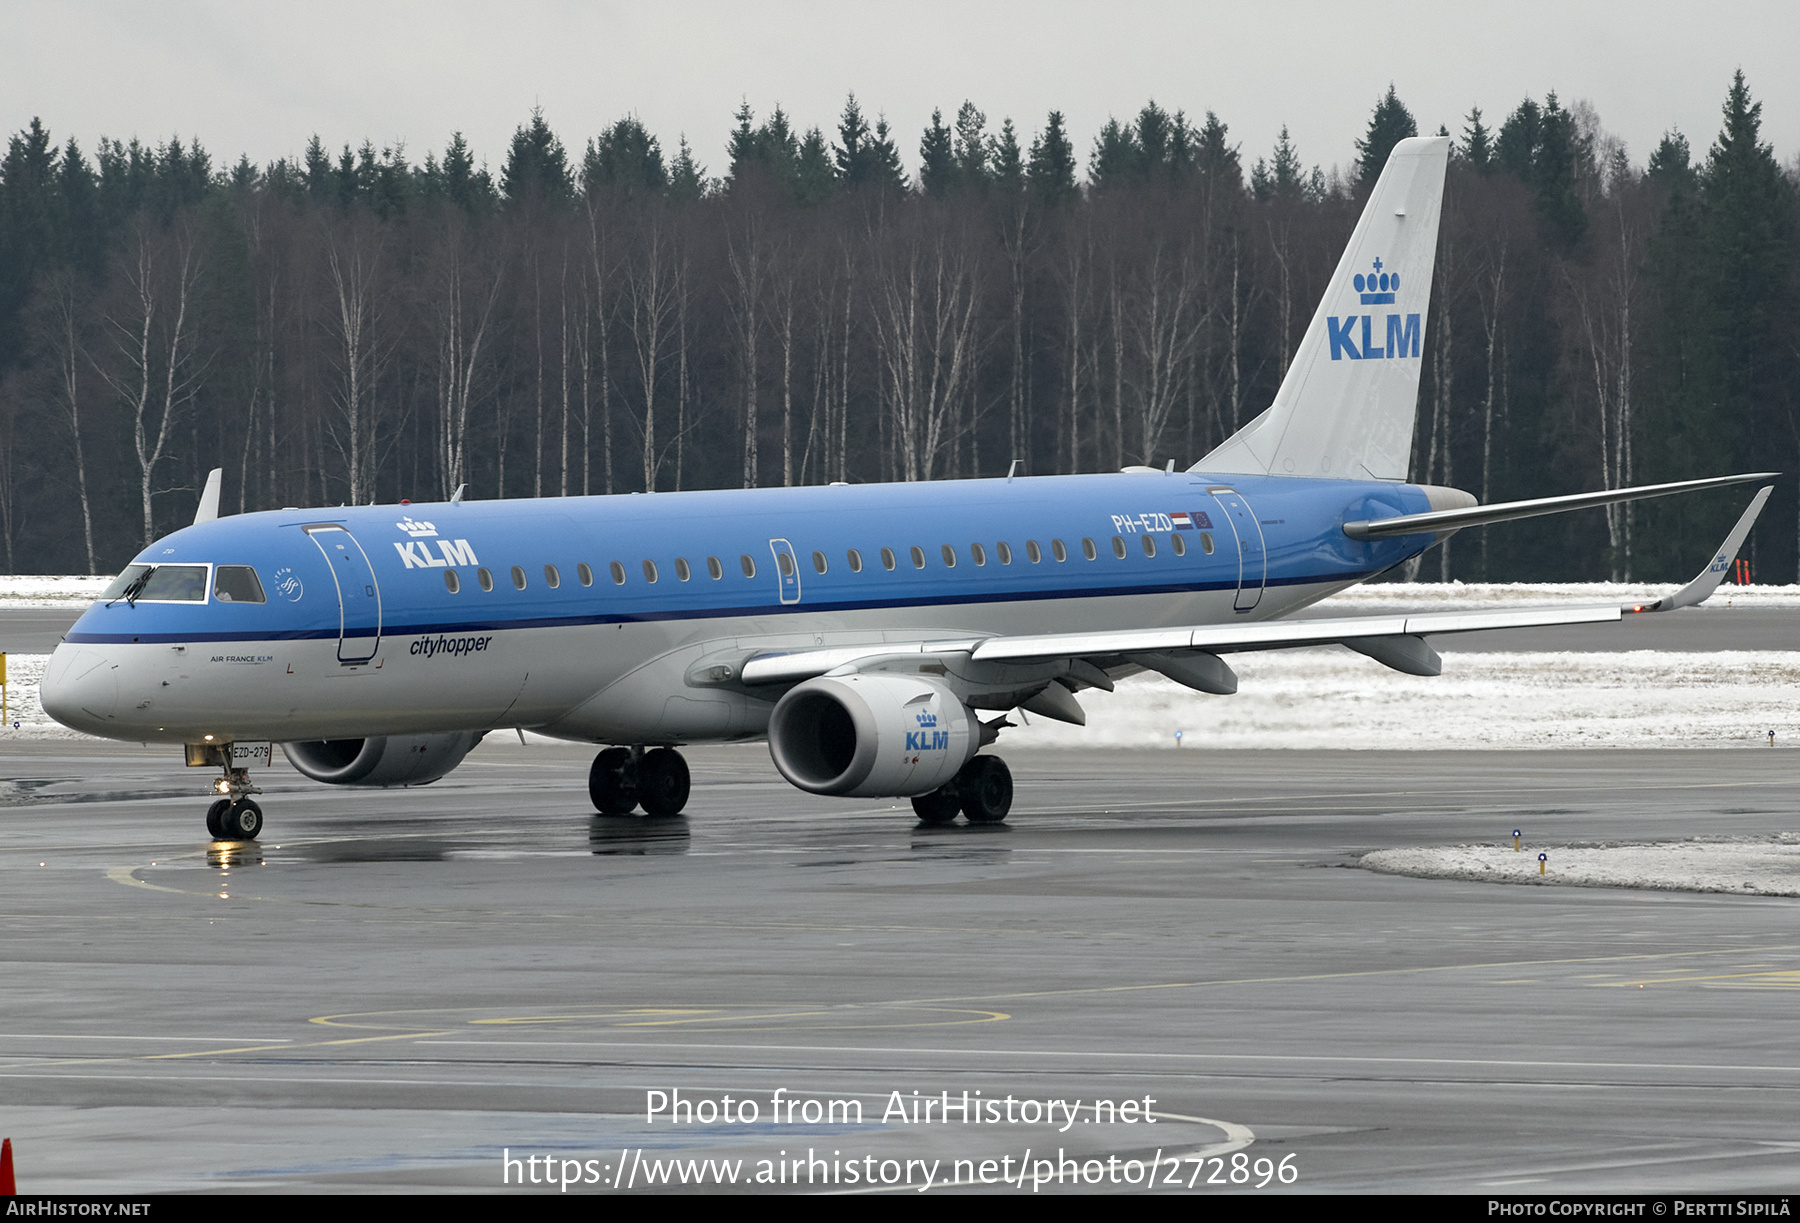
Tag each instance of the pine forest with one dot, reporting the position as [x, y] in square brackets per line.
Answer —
[604, 314]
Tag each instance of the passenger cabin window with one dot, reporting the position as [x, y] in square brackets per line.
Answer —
[518, 577]
[1149, 545]
[949, 557]
[452, 583]
[618, 572]
[1033, 552]
[237, 584]
[485, 578]
[584, 574]
[1087, 548]
[1004, 552]
[650, 572]
[887, 558]
[552, 578]
[819, 561]
[855, 559]
[714, 569]
[1206, 542]
[1178, 544]
[1058, 551]
[918, 555]
[785, 563]
[747, 565]
[681, 568]
[1119, 545]
[979, 553]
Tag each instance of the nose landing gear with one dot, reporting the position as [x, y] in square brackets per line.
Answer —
[236, 817]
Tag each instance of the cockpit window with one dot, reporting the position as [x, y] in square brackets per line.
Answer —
[120, 584]
[159, 584]
[237, 584]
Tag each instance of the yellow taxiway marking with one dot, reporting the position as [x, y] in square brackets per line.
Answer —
[732, 1018]
[723, 1014]
[1779, 978]
[285, 1046]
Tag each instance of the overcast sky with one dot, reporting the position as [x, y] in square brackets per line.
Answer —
[261, 78]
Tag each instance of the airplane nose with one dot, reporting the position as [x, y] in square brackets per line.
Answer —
[80, 689]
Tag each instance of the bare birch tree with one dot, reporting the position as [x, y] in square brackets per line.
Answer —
[156, 368]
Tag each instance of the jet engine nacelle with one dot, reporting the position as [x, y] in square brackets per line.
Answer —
[871, 736]
[394, 760]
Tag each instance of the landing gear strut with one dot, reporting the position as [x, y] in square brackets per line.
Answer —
[982, 790]
[236, 817]
[621, 779]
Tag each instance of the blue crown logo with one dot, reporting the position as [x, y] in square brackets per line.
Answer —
[927, 718]
[1378, 287]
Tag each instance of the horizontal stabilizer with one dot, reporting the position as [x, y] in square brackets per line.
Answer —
[1507, 511]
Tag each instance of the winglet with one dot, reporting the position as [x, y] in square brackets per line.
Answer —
[1701, 588]
[209, 496]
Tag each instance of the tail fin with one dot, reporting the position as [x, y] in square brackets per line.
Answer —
[1345, 409]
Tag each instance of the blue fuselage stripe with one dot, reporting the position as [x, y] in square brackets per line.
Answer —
[1294, 539]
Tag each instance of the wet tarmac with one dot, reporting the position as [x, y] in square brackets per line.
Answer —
[402, 990]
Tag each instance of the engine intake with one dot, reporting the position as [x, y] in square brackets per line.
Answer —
[394, 760]
[871, 736]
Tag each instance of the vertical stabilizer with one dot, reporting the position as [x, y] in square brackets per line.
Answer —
[1345, 409]
[209, 496]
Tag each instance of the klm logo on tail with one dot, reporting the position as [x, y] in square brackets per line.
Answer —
[1357, 337]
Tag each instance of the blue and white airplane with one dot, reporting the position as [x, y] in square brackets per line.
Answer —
[875, 635]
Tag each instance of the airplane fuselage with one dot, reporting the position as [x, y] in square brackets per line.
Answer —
[592, 618]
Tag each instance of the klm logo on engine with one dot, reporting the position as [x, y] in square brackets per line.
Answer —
[926, 739]
[417, 555]
[1360, 337]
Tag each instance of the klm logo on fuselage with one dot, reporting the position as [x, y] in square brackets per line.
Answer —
[1360, 337]
[417, 555]
[926, 740]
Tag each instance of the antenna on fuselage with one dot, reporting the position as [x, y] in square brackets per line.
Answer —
[209, 496]
[1013, 470]
[456, 497]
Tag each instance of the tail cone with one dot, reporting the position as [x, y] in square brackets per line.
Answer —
[7, 1188]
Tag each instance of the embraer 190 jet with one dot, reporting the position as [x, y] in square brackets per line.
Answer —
[876, 635]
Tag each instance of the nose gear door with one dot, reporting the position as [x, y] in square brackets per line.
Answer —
[359, 595]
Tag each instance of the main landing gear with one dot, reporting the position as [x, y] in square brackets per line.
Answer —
[622, 779]
[236, 817]
[982, 790]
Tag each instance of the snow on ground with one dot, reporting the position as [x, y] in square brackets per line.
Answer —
[1446, 596]
[1759, 866]
[25, 718]
[50, 590]
[1331, 698]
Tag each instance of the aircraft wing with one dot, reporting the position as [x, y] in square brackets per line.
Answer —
[1189, 654]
